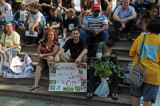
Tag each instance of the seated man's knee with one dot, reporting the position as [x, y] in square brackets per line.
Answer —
[64, 58]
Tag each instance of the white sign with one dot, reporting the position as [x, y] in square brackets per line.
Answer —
[27, 33]
[68, 77]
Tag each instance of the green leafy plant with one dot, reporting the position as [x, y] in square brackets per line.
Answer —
[105, 69]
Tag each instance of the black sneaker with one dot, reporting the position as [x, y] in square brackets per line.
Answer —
[89, 95]
[114, 96]
[34, 88]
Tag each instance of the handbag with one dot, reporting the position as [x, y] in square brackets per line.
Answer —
[137, 75]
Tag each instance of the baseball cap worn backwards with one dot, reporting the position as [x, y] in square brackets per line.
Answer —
[71, 10]
[96, 7]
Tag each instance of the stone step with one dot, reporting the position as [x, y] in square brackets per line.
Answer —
[123, 34]
[69, 97]
[44, 82]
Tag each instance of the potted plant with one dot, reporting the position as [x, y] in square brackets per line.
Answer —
[105, 69]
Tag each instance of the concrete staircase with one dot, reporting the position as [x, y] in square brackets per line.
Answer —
[20, 87]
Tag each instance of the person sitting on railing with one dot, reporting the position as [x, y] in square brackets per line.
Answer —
[48, 47]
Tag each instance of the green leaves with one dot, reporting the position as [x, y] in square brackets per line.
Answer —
[105, 69]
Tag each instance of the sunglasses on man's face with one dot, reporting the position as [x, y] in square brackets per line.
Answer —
[96, 11]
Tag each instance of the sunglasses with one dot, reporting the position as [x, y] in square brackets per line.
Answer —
[97, 11]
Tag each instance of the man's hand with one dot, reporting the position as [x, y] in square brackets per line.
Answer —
[123, 25]
[41, 56]
[56, 58]
[78, 60]
[97, 32]
[32, 31]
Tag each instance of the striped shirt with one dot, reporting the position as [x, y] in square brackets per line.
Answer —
[95, 23]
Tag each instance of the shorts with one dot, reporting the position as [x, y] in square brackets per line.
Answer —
[43, 64]
[148, 91]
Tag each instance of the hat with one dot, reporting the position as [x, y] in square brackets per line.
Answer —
[71, 10]
[96, 7]
[53, 7]
[7, 23]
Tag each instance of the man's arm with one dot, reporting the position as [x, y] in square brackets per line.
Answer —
[60, 52]
[79, 58]
[64, 34]
[115, 17]
[55, 26]
[60, 5]
[130, 18]
[72, 4]
[28, 4]
[32, 28]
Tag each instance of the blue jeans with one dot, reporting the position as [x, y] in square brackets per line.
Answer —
[103, 36]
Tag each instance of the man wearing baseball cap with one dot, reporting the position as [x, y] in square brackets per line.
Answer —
[54, 21]
[95, 24]
[70, 23]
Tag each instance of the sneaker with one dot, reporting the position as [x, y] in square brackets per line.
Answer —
[34, 88]
[114, 96]
[89, 95]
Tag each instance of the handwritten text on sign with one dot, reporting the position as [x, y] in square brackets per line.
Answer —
[68, 77]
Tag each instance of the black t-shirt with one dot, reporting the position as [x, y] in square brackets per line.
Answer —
[45, 1]
[75, 49]
[104, 5]
[71, 24]
[54, 21]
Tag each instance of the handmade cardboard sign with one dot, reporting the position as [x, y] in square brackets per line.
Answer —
[68, 77]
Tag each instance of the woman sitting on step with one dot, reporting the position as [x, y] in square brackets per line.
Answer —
[10, 40]
[48, 47]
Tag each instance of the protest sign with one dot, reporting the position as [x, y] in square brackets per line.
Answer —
[68, 77]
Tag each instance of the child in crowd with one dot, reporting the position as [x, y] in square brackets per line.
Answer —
[20, 16]
[152, 13]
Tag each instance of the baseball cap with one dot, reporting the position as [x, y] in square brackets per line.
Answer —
[53, 7]
[71, 10]
[96, 7]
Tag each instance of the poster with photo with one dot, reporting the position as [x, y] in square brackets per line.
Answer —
[68, 77]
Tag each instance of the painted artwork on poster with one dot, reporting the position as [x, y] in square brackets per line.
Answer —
[68, 77]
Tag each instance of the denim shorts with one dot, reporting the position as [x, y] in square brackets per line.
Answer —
[148, 91]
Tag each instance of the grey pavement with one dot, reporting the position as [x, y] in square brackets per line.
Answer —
[17, 101]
